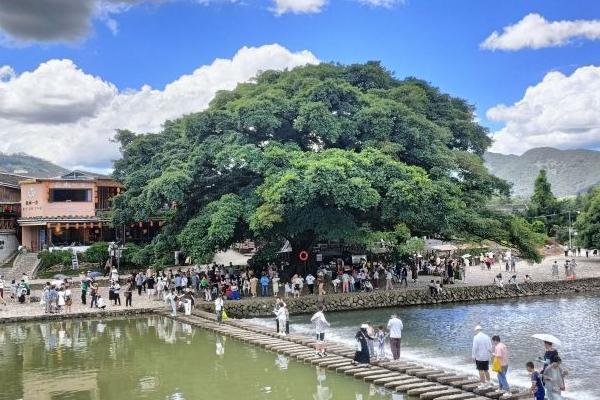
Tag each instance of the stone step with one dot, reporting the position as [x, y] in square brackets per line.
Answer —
[415, 389]
[460, 396]
[439, 393]
[399, 382]
[388, 374]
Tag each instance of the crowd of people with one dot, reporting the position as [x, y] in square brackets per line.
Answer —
[18, 290]
[547, 381]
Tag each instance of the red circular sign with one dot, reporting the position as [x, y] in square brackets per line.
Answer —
[303, 255]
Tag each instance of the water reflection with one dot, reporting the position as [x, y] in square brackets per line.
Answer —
[323, 392]
[282, 362]
[154, 358]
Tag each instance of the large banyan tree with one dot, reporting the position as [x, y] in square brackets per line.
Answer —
[325, 152]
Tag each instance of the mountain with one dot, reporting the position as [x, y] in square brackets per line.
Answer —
[23, 164]
[569, 171]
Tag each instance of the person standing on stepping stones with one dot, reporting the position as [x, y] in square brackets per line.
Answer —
[395, 327]
[321, 326]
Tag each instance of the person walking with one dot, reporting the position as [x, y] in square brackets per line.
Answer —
[219, 309]
[321, 325]
[537, 386]
[139, 281]
[2, 287]
[482, 348]
[554, 379]
[281, 315]
[404, 276]
[394, 327]
[361, 353]
[380, 336]
[501, 352]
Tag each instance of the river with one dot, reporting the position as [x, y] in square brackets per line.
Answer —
[156, 358]
[441, 335]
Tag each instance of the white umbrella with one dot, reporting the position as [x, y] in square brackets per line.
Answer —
[466, 256]
[57, 282]
[547, 338]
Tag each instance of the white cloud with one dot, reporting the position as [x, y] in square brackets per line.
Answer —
[298, 6]
[60, 113]
[382, 3]
[535, 32]
[561, 111]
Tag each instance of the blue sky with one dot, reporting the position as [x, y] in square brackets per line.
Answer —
[436, 40]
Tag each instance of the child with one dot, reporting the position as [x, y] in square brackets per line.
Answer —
[537, 387]
[432, 288]
[100, 302]
[289, 289]
[380, 337]
[336, 282]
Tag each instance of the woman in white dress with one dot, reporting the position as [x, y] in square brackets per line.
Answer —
[61, 299]
[275, 282]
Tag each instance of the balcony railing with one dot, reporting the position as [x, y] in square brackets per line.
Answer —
[8, 224]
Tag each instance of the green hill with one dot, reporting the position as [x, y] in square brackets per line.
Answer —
[23, 164]
[569, 171]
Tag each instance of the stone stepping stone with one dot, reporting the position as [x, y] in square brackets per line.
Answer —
[471, 386]
[495, 395]
[324, 359]
[451, 378]
[333, 361]
[399, 378]
[434, 375]
[439, 393]
[460, 396]
[338, 365]
[346, 368]
[426, 372]
[353, 371]
[485, 391]
[461, 383]
[415, 389]
[400, 367]
[373, 371]
[414, 370]
[373, 378]
[394, 384]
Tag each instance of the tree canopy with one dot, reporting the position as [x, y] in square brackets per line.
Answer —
[588, 222]
[319, 152]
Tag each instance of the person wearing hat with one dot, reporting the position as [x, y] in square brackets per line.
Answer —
[361, 354]
[482, 348]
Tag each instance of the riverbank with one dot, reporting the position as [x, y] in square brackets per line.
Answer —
[263, 306]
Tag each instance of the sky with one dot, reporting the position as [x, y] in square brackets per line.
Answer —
[73, 72]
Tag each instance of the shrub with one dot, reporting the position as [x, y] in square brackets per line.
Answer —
[96, 253]
[49, 259]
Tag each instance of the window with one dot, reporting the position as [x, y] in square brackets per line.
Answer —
[70, 195]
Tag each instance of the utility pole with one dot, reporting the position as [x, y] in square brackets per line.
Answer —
[570, 229]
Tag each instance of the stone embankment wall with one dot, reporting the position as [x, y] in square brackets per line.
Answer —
[263, 307]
